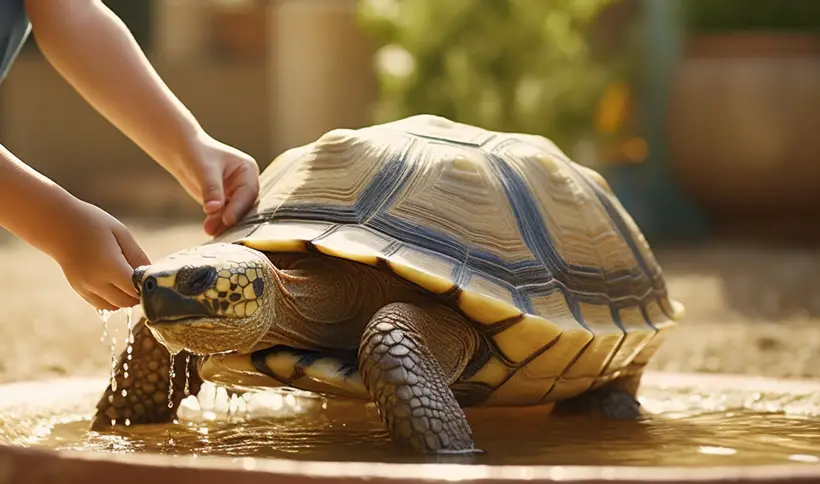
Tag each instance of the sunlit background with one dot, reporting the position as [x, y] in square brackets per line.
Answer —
[704, 115]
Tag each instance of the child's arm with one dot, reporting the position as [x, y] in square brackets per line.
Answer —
[94, 51]
[96, 252]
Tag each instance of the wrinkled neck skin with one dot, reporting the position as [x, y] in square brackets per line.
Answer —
[281, 329]
[266, 317]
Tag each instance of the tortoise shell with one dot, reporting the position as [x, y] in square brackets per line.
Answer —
[533, 248]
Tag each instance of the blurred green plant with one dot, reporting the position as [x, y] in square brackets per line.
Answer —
[512, 65]
[757, 15]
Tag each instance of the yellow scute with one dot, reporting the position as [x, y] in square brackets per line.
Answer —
[432, 283]
[560, 355]
[491, 374]
[353, 243]
[485, 309]
[283, 236]
[526, 337]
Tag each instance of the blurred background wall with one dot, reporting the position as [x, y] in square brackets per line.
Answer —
[703, 114]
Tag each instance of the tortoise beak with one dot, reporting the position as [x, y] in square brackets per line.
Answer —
[163, 305]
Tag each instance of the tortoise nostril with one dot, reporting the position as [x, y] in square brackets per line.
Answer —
[149, 285]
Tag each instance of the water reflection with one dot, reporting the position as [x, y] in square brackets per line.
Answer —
[689, 428]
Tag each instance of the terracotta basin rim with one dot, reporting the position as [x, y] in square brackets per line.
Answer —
[294, 470]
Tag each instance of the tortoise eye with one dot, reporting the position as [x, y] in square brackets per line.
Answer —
[196, 281]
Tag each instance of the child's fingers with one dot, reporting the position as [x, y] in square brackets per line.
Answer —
[121, 281]
[239, 204]
[213, 224]
[114, 295]
[134, 255]
[212, 207]
[98, 302]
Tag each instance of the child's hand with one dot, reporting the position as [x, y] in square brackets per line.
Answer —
[98, 255]
[224, 180]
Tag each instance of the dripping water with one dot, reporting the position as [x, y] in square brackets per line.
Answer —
[187, 375]
[171, 376]
[129, 339]
[114, 360]
[105, 315]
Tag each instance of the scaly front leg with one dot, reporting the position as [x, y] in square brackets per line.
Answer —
[408, 357]
[147, 385]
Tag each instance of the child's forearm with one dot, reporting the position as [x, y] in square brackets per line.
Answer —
[94, 51]
[33, 207]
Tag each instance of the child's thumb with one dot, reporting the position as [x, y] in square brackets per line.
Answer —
[130, 248]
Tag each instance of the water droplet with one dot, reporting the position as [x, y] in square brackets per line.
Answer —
[113, 349]
[124, 393]
[171, 376]
[105, 315]
[187, 375]
[128, 422]
[129, 317]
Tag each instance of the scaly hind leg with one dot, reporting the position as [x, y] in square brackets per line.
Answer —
[147, 385]
[616, 400]
[408, 357]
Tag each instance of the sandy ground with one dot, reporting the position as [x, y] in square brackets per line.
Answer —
[752, 311]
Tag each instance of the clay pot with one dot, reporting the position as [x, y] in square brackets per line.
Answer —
[743, 118]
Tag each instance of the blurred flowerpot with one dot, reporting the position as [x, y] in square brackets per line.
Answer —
[743, 126]
[240, 31]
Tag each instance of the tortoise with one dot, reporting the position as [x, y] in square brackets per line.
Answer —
[424, 265]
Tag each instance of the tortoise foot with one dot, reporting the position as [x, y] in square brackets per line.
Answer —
[409, 386]
[620, 405]
[616, 401]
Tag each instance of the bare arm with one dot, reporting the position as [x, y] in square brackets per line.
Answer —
[95, 251]
[96, 53]
[34, 207]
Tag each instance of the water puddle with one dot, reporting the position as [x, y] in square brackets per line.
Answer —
[694, 423]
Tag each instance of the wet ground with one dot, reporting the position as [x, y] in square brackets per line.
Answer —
[692, 421]
[749, 310]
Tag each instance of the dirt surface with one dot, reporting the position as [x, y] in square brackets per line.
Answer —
[752, 311]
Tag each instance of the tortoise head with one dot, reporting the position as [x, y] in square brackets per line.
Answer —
[210, 299]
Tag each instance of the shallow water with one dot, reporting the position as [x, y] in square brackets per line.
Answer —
[693, 424]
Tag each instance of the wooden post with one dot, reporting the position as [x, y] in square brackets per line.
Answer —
[673, 215]
[322, 74]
